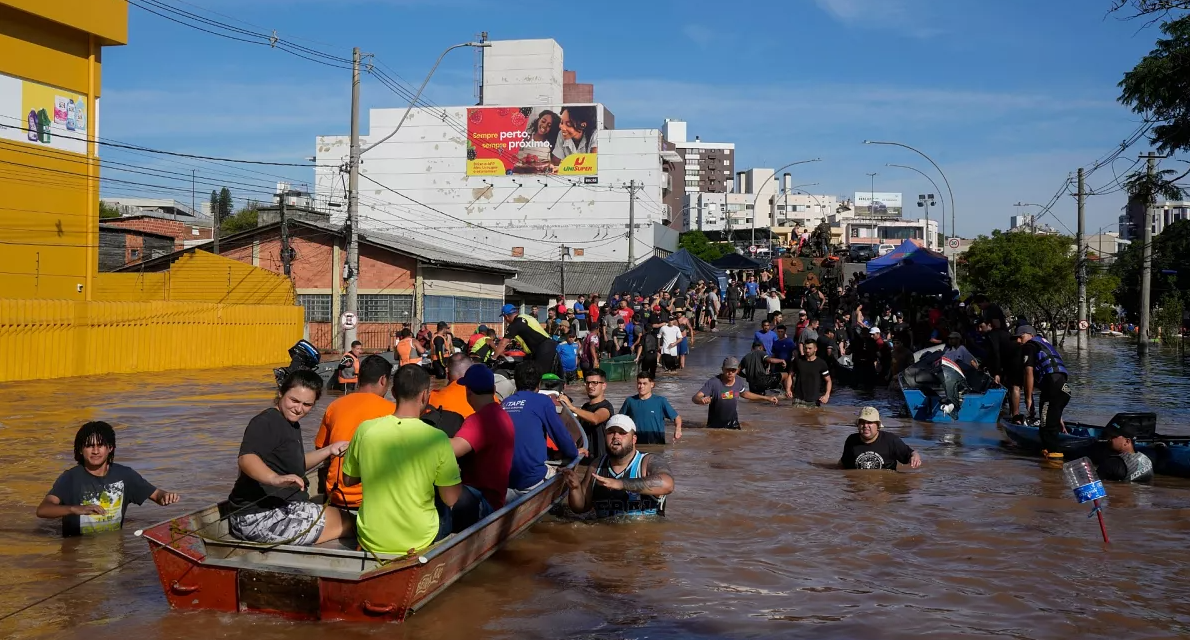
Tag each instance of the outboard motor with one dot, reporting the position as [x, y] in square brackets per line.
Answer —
[302, 356]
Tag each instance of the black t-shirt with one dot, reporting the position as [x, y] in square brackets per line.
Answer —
[753, 367]
[443, 420]
[680, 303]
[113, 492]
[278, 442]
[827, 347]
[884, 453]
[518, 328]
[596, 436]
[649, 341]
[811, 378]
[661, 317]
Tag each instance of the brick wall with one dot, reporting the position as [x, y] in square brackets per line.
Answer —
[118, 249]
[178, 230]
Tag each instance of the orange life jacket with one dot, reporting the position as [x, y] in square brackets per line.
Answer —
[405, 352]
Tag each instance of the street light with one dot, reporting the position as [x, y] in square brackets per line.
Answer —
[947, 182]
[872, 202]
[417, 96]
[936, 190]
[773, 207]
[1032, 219]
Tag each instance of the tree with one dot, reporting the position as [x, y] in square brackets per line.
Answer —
[107, 211]
[699, 246]
[1032, 274]
[214, 204]
[225, 204]
[242, 220]
[1158, 88]
[1171, 259]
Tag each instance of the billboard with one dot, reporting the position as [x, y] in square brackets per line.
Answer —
[505, 141]
[878, 204]
[42, 115]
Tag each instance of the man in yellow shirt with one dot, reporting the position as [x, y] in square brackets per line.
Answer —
[453, 397]
[344, 416]
[410, 469]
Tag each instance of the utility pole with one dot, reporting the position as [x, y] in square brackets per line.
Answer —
[353, 205]
[1146, 272]
[565, 251]
[632, 222]
[286, 252]
[1081, 241]
[193, 212]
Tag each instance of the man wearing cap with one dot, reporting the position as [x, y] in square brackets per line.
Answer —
[872, 448]
[532, 338]
[1044, 369]
[722, 394]
[1126, 464]
[484, 447]
[534, 419]
[955, 351]
[480, 332]
[624, 482]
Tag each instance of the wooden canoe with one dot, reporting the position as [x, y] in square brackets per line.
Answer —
[201, 566]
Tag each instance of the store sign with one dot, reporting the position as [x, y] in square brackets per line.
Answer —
[42, 115]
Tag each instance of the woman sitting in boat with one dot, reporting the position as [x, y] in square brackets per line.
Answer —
[269, 501]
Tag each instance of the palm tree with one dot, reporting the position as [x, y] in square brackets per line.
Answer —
[1148, 187]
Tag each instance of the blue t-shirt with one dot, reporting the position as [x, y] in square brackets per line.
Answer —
[533, 416]
[767, 338]
[751, 289]
[784, 349]
[650, 416]
[630, 330]
[580, 312]
[568, 354]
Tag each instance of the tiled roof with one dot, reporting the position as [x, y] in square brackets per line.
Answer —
[582, 276]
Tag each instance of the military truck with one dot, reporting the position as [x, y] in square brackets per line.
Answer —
[814, 264]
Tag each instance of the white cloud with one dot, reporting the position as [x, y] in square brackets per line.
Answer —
[906, 17]
[701, 35]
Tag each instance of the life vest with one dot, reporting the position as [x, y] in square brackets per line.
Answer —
[352, 363]
[438, 355]
[475, 337]
[533, 325]
[1048, 359]
[405, 352]
[478, 348]
[610, 503]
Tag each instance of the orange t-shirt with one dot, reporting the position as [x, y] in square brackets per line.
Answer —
[452, 397]
[339, 422]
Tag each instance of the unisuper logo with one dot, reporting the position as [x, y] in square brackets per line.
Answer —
[579, 164]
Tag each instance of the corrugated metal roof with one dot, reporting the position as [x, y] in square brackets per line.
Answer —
[432, 254]
[581, 276]
[518, 286]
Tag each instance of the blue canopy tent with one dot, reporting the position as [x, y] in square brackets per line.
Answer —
[909, 276]
[910, 250]
[738, 262]
[696, 268]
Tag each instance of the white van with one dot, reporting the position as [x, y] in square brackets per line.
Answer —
[885, 249]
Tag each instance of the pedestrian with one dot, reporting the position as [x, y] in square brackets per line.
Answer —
[811, 377]
[1044, 368]
[594, 413]
[670, 337]
[722, 393]
[650, 411]
[624, 481]
[647, 348]
[871, 448]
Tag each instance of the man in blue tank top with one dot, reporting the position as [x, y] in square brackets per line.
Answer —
[1045, 369]
[625, 482]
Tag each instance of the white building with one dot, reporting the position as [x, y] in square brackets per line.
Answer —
[417, 182]
[704, 212]
[709, 165]
[1106, 246]
[864, 230]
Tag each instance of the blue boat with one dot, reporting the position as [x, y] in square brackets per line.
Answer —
[976, 407]
[1170, 454]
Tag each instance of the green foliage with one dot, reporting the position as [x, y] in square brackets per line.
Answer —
[242, 220]
[214, 203]
[107, 211]
[1032, 274]
[1171, 259]
[1167, 318]
[1158, 88]
[225, 204]
[696, 243]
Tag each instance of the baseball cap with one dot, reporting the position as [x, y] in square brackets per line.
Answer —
[875, 331]
[869, 414]
[1022, 330]
[483, 328]
[956, 334]
[507, 309]
[479, 380]
[620, 421]
[1115, 429]
[731, 362]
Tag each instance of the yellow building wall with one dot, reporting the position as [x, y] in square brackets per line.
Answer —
[51, 197]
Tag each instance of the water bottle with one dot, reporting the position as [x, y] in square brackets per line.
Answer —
[1081, 478]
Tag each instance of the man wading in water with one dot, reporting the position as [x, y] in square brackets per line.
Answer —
[625, 482]
[723, 392]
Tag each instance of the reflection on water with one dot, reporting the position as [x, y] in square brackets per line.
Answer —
[764, 537]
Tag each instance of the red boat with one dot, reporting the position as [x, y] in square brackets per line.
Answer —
[202, 566]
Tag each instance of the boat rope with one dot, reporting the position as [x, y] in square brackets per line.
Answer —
[134, 558]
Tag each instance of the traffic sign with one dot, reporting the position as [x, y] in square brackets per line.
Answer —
[347, 320]
[753, 248]
[1082, 325]
[953, 243]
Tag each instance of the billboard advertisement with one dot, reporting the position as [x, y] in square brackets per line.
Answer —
[42, 115]
[879, 204]
[505, 141]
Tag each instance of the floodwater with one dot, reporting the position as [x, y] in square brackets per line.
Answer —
[764, 538]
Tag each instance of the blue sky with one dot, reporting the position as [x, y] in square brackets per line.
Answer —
[1008, 97]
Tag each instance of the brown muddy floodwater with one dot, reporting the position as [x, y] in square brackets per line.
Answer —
[764, 538]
